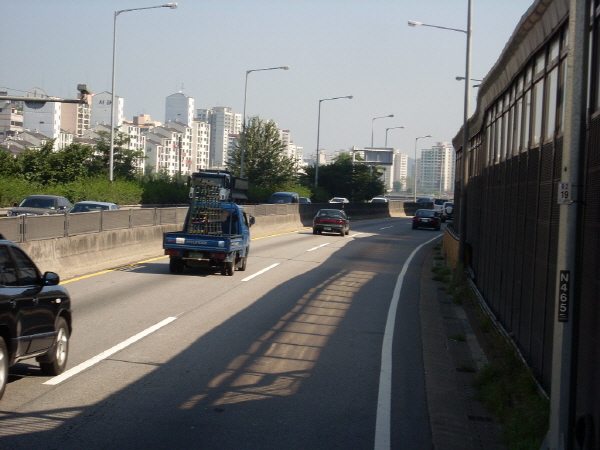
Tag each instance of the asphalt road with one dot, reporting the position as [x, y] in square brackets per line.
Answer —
[286, 355]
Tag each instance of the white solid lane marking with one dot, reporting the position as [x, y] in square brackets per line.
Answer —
[384, 401]
[96, 359]
[385, 228]
[260, 272]
[315, 248]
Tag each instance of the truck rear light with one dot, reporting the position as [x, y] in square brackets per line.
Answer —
[218, 255]
[173, 252]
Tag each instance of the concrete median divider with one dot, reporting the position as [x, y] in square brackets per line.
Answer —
[86, 253]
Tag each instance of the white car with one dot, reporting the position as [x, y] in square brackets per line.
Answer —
[339, 200]
[379, 200]
[448, 211]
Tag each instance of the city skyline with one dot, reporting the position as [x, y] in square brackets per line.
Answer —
[333, 48]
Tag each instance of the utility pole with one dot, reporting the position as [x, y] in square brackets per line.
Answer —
[562, 395]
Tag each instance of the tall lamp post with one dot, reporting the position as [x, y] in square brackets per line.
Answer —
[462, 224]
[112, 103]
[416, 139]
[318, 135]
[372, 122]
[248, 72]
[386, 132]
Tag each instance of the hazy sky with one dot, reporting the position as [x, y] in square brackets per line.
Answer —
[334, 48]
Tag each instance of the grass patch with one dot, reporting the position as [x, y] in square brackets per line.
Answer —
[466, 368]
[505, 385]
[458, 337]
[441, 273]
[439, 258]
[508, 389]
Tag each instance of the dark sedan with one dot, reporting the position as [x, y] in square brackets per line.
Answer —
[331, 221]
[426, 218]
[35, 314]
[37, 205]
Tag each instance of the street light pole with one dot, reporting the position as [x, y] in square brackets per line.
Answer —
[386, 132]
[462, 224]
[416, 139]
[114, 63]
[318, 135]
[248, 72]
[373, 121]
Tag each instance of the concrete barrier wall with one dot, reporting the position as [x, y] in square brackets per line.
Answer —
[77, 255]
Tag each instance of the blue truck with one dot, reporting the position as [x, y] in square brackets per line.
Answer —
[216, 231]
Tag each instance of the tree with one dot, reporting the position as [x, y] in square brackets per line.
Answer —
[397, 186]
[124, 159]
[265, 164]
[346, 177]
[47, 166]
[7, 162]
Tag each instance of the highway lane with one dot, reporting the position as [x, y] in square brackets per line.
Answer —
[284, 355]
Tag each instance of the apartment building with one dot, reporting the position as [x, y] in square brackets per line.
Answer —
[168, 149]
[291, 150]
[200, 145]
[11, 118]
[436, 169]
[179, 108]
[77, 117]
[101, 107]
[400, 168]
[43, 119]
[223, 123]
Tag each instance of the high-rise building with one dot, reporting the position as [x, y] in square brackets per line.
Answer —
[43, 119]
[291, 150]
[400, 168]
[101, 107]
[179, 108]
[223, 123]
[77, 117]
[200, 145]
[436, 169]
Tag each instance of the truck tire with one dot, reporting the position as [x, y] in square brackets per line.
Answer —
[227, 268]
[176, 265]
[244, 260]
[59, 351]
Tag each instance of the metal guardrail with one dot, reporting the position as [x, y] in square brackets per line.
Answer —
[33, 228]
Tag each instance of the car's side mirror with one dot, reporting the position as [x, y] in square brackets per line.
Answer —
[15, 204]
[251, 221]
[50, 279]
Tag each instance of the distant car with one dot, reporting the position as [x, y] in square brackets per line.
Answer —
[284, 197]
[331, 221]
[35, 314]
[426, 201]
[89, 206]
[339, 200]
[305, 200]
[447, 211]
[438, 205]
[379, 200]
[39, 205]
[426, 218]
